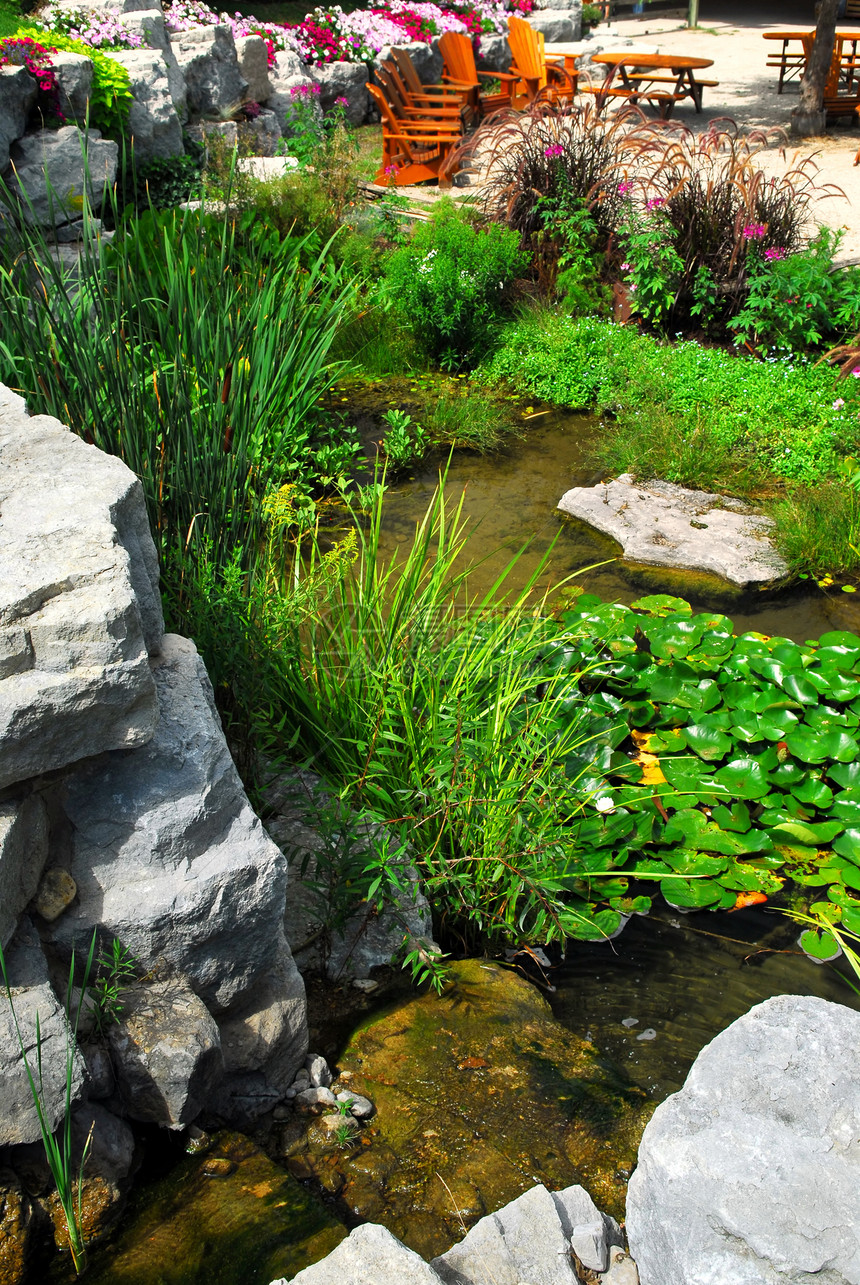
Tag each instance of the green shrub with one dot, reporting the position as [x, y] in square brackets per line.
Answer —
[162, 183]
[110, 96]
[451, 283]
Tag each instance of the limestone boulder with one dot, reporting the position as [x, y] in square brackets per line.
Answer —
[663, 525]
[18, 93]
[170, 858]
[23, 853]
[494, 53]
[153, 123]
[32, 997]
[288, 74]
[750, 1173]
[267, 1031]
[207, 58]
[149, 25]
[558, 25]
[74, 76]
[111, 1143]
[166, 1053]
[56, 168]
[427, 60]
[253, 57]
[262, 134]
[524, 1241]
[369, 1254]
[344, 80]
[79, 598]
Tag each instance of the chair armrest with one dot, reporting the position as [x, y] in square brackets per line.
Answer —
[499, 75]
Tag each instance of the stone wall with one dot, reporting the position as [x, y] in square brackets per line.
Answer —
[121, 812]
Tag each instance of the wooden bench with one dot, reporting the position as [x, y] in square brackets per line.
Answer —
[414, 151]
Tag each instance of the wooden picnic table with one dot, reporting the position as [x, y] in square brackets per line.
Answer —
[640, 77]
[791, 62]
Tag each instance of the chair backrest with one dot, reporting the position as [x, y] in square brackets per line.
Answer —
[390, 123]
[459, 57]
[527, 49]
[392, 87]
[408, 74]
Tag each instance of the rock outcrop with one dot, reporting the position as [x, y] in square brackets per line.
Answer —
[121, 815]
[750, 1173]
[56, 170]
[663, 525]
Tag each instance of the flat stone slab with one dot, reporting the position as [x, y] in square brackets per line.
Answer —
[663, 525]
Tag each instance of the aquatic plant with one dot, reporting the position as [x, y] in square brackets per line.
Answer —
[58, 1147]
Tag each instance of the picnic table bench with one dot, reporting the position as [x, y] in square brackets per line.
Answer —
[791, 58]
[644, 76]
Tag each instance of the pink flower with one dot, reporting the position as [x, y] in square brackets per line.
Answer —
[856, 372]
[754, 231]
[839, 403]
[341, 102]
[625, 267]
[554, 149]
[391, 170]
[624, 188]
[775, 253]
[654, 203]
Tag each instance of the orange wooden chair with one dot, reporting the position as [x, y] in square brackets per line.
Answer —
[413, 83]
[423, 107]
[414, 151]
[538, 79]
[460, 69]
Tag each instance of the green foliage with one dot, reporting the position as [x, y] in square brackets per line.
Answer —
[776, 416]
[117, 969]
[799, 300]
[468, 419]
[405, 441]
[820, 527]
[194, 349]
[592, 14]
[656, 268]
[58, 1149]
[451, 283]
[162, 183]
[569, 248]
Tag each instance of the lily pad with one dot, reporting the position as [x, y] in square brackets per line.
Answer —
[708, 742]
[693, 894]
[662, 604]
[820, 946]
[817, 747]
[744, 778]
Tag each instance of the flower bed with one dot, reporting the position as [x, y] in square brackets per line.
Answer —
[330, 35]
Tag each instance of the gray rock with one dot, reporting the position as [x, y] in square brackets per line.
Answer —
[74, 76]
[370, 1255]
[153, 121]
[32, 996]
[111, 1153]
[242, 1099]
[525, 1241]
[149, 25]
[494, 53]
[170, 858]
[622, 1270]
[73, 233]
[56, 892]
[663, 525]
[18, 93]
[253, 57]
[79, 598]
[344, 80]
[267, 1031]
[100, 1077]
[750, 1173]
[426, 59]
[207, 57]
[315, 1099]
[287, 74]
[558, 25]
[318, 1072]
[590, 1232]
[266, 169]
[359, 1106]
[55, 169]
[23, 853]
[166, 1053]
[263, 134]
[118, 6]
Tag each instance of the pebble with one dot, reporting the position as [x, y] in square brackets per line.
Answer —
[365, 984]
[630, 1021]
[648, 1034]
[317, 1069]
[57, 891]
[218, 1167]
[360, 1107]
[622, 1270]
[282, 1113]
[315, 1099]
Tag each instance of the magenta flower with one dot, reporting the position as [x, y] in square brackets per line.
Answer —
[625, 267]
[754, 231]
[624, 188]
[775, 253]
[554, 149]
[341, 102]
[654, 203]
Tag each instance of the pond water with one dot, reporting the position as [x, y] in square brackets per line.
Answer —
[648, 1001]
[512, 497]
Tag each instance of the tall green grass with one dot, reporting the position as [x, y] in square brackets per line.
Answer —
[194, 348]
[440, 714]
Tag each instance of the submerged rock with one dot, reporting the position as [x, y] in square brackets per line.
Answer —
[229, 1215]
[663, 525]
[750, 1173]
[483, 1089]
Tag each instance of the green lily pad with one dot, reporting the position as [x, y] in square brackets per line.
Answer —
[851, 918]
[662, 604]
[787, 775]
[841, 641]
[708, 742]
[813, 791]
[738, 818]
[839, 686]
[846, 806]
[820, 946]
[685, 862]
[806, 833]
[744, 778]
[848, 844]
[845, 774]
[693, 894]
[817, 747]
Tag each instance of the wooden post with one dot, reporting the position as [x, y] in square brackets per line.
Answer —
[693, 14]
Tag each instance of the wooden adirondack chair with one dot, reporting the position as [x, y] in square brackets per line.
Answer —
[412, 81]
[414, 151]
[538, 79]
[422, 107]
[460, 69]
